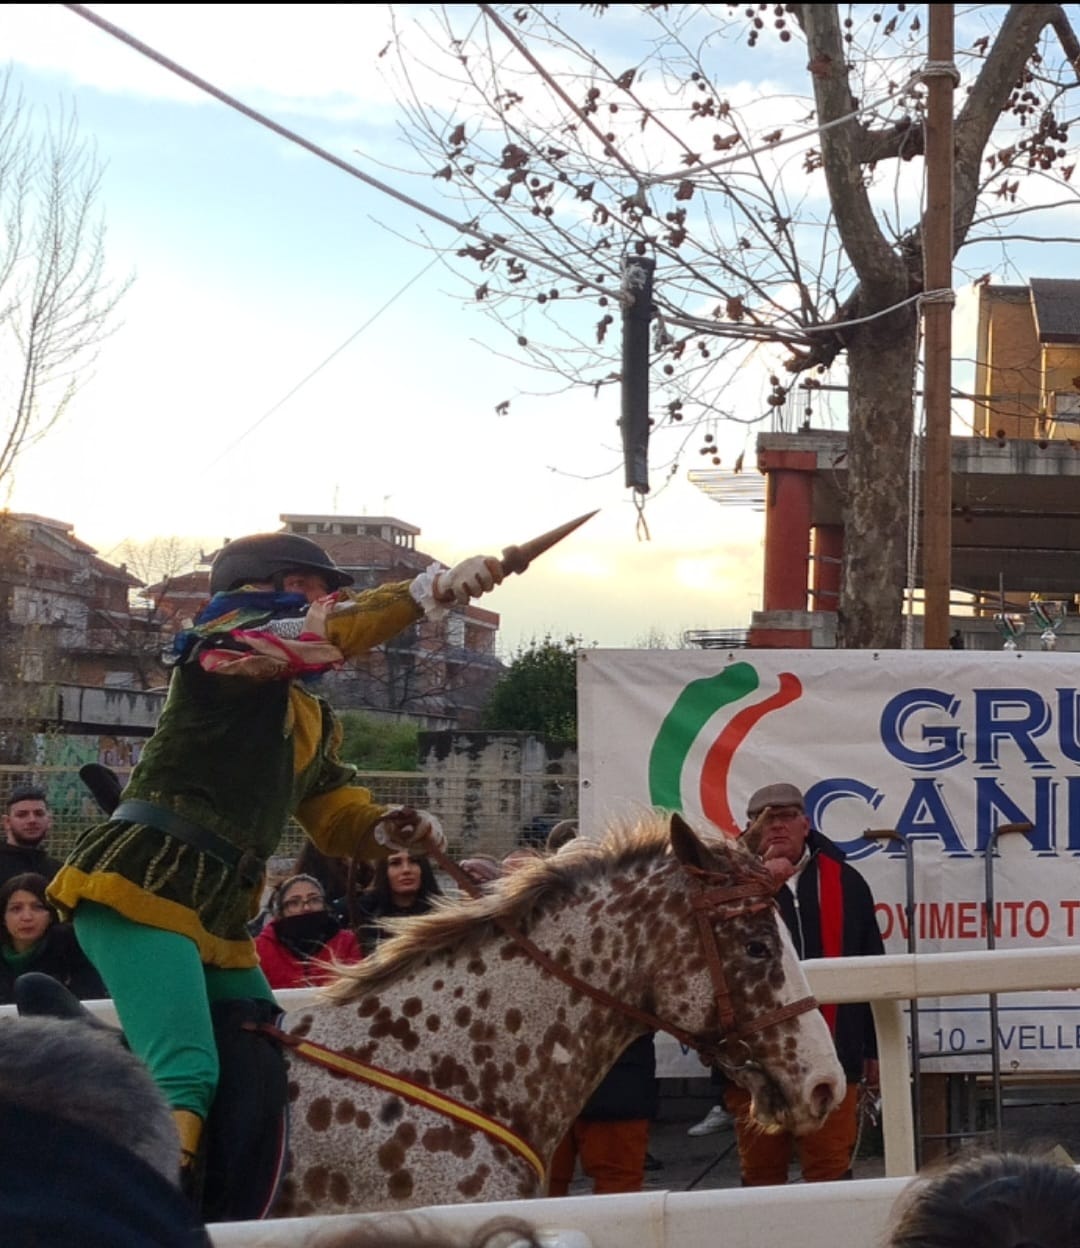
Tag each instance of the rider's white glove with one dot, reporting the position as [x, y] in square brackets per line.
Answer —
[403, 827]
[468, 579]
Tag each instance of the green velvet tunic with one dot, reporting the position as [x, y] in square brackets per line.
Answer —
[236, 756]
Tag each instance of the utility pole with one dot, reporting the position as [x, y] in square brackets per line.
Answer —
[937, 329]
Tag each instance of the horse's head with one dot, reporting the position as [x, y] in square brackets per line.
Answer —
[743, 984]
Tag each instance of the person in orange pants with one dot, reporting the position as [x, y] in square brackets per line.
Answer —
[824, 1154]
[611, 1134]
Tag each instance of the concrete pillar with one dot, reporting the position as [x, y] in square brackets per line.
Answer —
[789, 495]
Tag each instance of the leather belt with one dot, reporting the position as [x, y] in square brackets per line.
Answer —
[248, 864]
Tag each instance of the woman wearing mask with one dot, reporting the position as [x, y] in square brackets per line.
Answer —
[31, 939]
[297, 946]
[404, 885]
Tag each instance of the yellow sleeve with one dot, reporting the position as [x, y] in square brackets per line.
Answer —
[342, 822]
[371, 616]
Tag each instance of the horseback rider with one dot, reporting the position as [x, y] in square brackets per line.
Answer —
[162, 891]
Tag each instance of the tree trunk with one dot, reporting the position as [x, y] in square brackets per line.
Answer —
[881, 387]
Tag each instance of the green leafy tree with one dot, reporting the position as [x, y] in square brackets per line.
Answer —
[377, 745]
[538, 691]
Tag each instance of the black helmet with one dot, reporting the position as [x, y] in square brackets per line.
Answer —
[265, 556]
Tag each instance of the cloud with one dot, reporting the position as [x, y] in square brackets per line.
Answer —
[315, 58]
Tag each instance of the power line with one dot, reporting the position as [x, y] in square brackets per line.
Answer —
[319, 367]
[462, 227]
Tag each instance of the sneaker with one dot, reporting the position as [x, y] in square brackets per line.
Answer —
[717, 1119]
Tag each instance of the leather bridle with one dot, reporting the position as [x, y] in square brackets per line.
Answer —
[711, 900]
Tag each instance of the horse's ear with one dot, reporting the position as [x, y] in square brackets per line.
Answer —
[686, 845]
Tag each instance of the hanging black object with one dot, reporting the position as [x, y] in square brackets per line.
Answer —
[637, 286]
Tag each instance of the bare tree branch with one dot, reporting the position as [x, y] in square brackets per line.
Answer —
[56, 301]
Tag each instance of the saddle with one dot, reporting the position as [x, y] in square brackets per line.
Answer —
[242, 1154]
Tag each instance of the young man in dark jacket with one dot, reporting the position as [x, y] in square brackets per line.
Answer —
[27, 822]
[829, 910]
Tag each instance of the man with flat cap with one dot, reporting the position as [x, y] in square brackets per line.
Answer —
[829, 910]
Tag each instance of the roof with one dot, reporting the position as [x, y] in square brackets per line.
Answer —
[1055, 303]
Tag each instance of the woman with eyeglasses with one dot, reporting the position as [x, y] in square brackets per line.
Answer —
[31, 939]
[296, 948]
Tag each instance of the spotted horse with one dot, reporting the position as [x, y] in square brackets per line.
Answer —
[448, 1066]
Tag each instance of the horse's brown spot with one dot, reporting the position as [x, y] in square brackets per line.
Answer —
[319, 1113]
[316, 1181]
[512, 1021]
[340, 1189]
[293, 1090]
[363, 1119]
[405, 1134]
[437, 1139]
[476, 966]
[367, 1007]
[522, 1053]
[345, 1112]
[391, 1110]
[302, 1026]
[438, 985]
[508, 1072]
[458, 993]
[448, 1072]
[463, 1016]
[401, 1030]
[433, 1022]
[489, 1077]
[391, 1156]
[412, 1007]
[400, 1185]
[471, 1186]
[483, 998]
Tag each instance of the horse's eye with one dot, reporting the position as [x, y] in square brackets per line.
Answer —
[757, 949]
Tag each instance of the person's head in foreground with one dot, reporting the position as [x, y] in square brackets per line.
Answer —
[995, 1200]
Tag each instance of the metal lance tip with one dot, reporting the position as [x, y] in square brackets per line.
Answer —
[518, 558]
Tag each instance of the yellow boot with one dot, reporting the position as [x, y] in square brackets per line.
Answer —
[189, 1128]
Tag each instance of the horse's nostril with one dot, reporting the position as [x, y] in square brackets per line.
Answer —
[824, 1099]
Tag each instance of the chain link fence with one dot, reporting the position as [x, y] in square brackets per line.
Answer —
[482, 813]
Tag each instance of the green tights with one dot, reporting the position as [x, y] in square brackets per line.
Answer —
[162, 992]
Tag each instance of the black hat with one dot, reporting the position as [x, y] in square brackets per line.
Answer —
[264, 556]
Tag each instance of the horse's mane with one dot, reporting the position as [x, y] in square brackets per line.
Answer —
[457, 922]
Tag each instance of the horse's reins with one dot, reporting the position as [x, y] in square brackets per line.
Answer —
[709, 902]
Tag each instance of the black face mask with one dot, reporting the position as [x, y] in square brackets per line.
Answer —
[305, 934]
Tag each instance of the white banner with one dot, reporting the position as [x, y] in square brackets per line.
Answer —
[940, 747]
